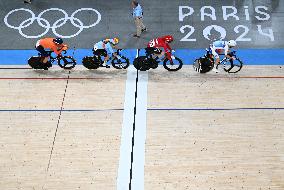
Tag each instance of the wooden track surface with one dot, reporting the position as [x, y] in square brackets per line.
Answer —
[189, 148]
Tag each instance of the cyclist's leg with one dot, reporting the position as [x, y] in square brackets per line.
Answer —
[216, 55]
[149, 51]
[217, 59]
[104, 54]
[230, 56]
[43, 53]
[100, 53]
[158, 53]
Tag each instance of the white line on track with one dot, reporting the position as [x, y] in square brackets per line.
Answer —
[140, 133]
[127, 130]
[123, 178]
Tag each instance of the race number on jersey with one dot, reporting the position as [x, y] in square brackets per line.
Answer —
[153, 43]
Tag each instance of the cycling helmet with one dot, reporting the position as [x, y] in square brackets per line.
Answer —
[115, 41]
[169, 38]
[58, 41]
[232, 43]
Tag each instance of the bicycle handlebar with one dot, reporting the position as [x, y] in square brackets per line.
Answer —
[118, 50]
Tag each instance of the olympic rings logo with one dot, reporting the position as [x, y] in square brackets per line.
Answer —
[45, 24]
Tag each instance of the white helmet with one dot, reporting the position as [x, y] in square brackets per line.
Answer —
[232, 43]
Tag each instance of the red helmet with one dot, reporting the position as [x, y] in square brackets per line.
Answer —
[169, 38]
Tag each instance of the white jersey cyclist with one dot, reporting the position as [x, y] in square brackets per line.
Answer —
[221, 45]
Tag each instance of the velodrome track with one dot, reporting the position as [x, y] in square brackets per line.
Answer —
[123, 129]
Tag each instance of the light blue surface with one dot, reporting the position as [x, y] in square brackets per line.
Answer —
[248, 56]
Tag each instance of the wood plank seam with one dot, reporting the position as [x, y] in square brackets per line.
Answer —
[58, 121]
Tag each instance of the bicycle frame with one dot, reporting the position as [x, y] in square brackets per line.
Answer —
[225, 59]
[52, 59]
[160, 58]
[99, 57]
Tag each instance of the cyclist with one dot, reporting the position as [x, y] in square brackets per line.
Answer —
[217, 47]
[103, 47]
[54, 44]
[153, 47]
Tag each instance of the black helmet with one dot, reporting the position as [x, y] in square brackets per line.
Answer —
[58, 40]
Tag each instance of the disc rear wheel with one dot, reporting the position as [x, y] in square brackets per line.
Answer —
[90, 63]
[36, 62]
[140, 63]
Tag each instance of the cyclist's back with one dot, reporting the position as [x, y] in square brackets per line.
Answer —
[102, 48]
[220, 44]
[105, 45]
[161, 42]
[49, 43]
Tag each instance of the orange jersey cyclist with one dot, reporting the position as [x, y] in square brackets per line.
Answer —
[54, 44]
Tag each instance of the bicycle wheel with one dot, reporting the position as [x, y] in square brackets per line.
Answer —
[175, 65]
[154, 64]
[90, 63]
[140, 63]
[35, 62]
[66, 62]
[234, 67]
[121, 63]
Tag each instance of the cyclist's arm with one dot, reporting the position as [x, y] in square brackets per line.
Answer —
[115, 47]
[226, 51]
[168, 51]
[64, 48]
[108, 47]
[57, 52]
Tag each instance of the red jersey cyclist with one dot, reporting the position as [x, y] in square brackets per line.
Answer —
[155, 45]
[54, 44]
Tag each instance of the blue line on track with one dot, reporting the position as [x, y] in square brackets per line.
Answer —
[149, 109]
[248, 56]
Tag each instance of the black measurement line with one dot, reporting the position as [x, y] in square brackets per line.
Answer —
[134, 125]
[58, 121]
[133, 133]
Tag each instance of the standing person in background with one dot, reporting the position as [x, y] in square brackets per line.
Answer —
[138, 18]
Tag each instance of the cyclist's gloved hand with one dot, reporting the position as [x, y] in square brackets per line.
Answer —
[65, 48]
